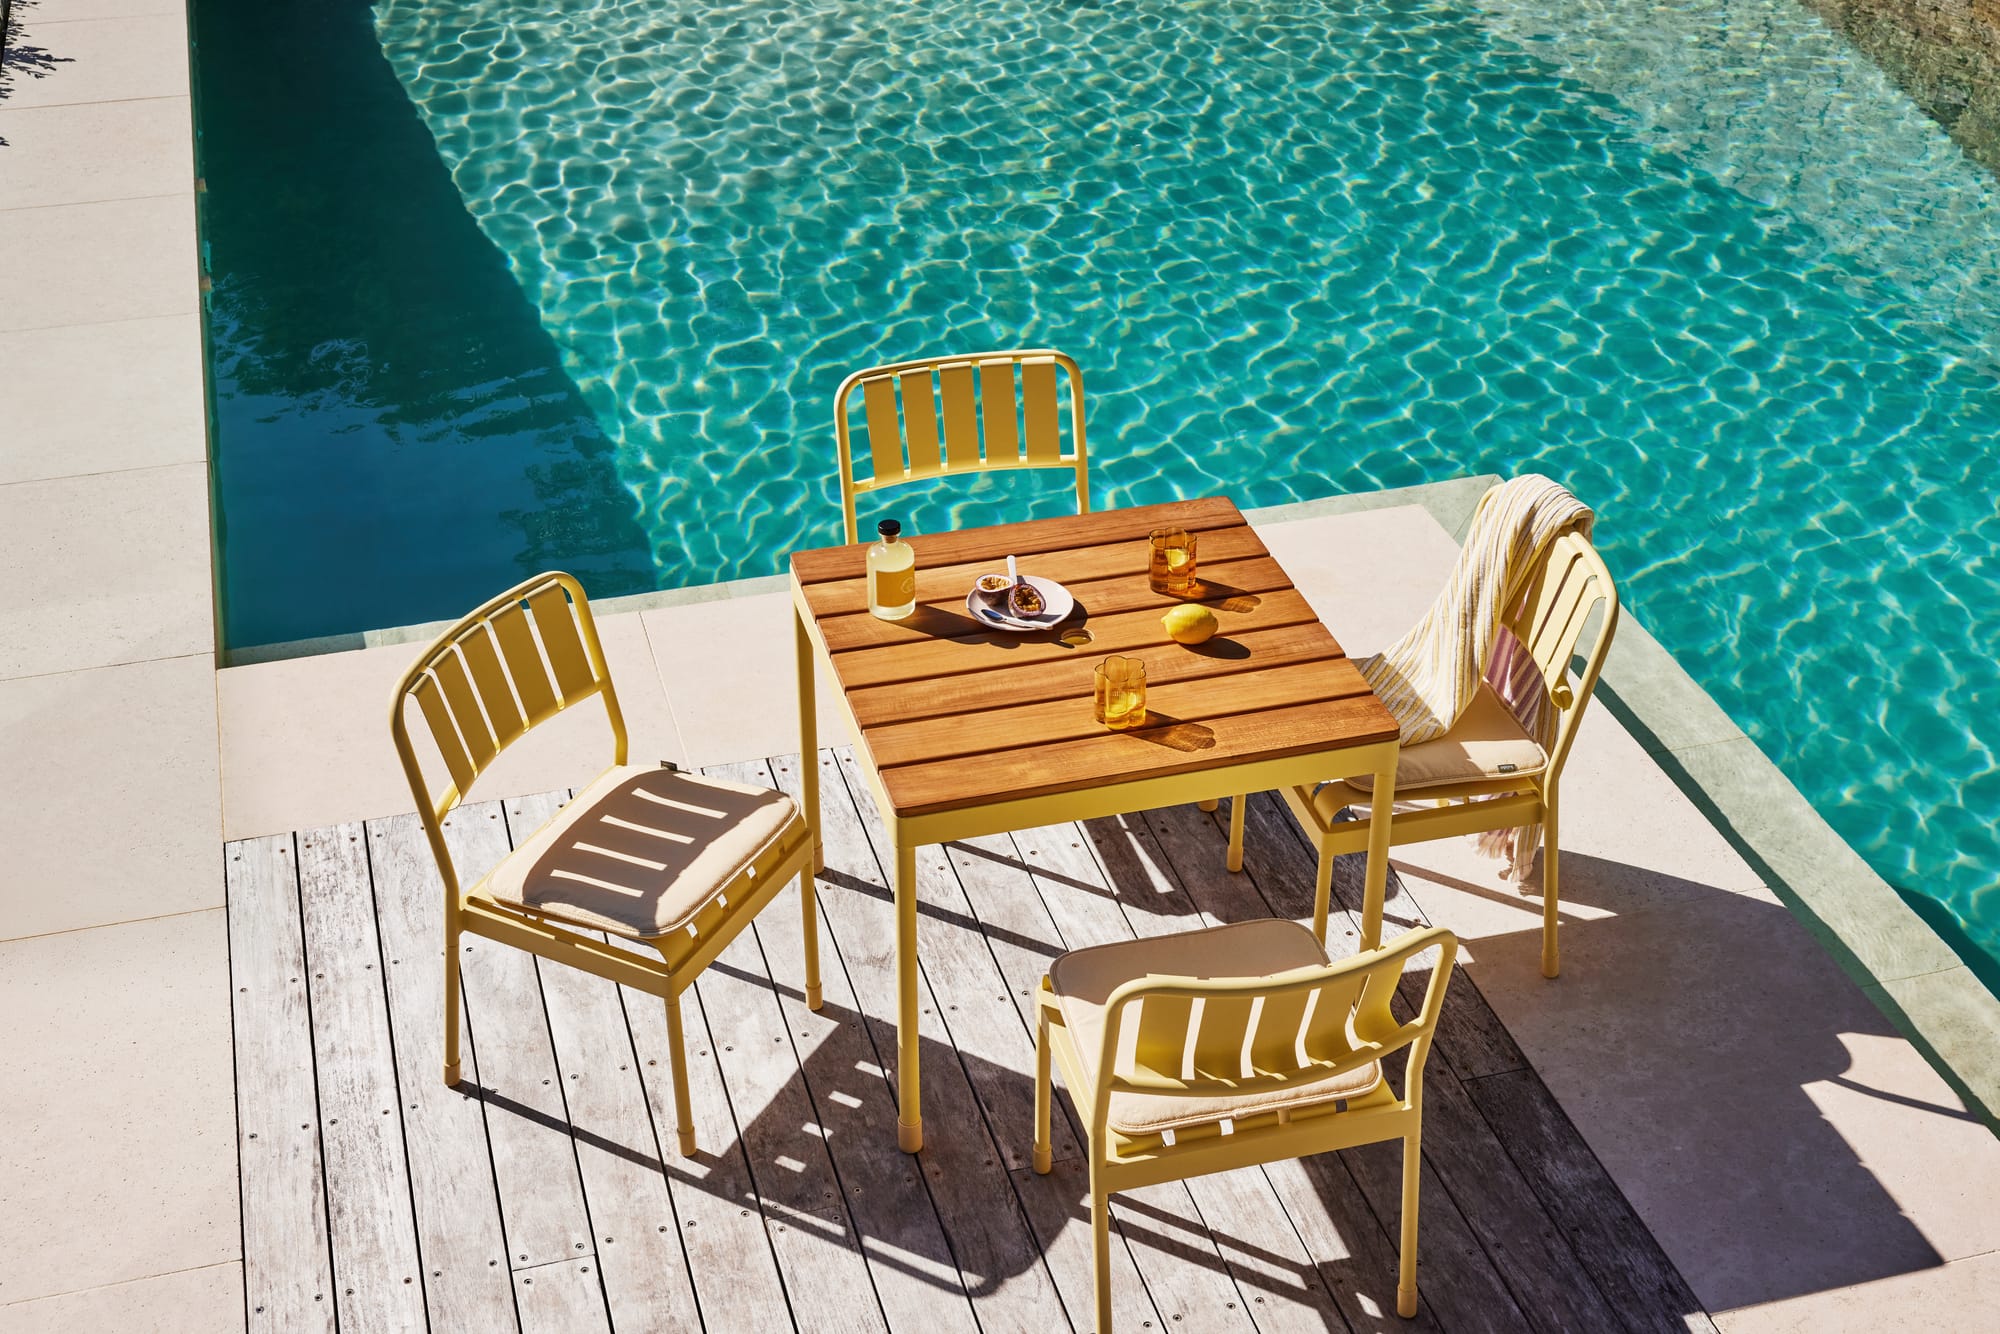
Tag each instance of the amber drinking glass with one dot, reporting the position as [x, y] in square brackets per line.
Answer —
[1121, 693]
[1172, 569]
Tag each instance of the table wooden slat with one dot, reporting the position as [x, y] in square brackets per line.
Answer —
[1236, 586]
[1070, 676]
[925, 662]
[934, 549]
[1172, 706]
[1073, 566]
[1154, 752]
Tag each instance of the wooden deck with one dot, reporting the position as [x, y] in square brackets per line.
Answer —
[537, 1195]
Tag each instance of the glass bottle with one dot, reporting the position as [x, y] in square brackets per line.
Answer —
[892, 574]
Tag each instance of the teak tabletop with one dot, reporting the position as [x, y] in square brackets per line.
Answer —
[964, 730]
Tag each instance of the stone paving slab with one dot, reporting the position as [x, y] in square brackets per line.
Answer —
[66, 417]
[115, 1088]
[80, 153]
[104, 569]
[92, 263]
[109, 59]
[108, 797]
[188, 1300]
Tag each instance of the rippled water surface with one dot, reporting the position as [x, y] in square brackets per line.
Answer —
[1702, 263]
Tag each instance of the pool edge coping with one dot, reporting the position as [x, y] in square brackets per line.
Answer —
[1909, 972]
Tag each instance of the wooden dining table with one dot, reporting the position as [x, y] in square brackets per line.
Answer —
[962, 730]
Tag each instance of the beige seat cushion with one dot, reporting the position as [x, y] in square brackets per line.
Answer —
[1084, 979]
[1477, 747]
[642, 850]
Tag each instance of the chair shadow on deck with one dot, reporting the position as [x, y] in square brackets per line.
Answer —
[1747, 1097]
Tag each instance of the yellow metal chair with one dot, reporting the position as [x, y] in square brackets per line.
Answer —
[675, 860]
[1486, 773]
[1230, 1047]
[1007, 400]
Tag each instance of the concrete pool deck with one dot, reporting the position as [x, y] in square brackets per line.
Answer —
[1833, 1179]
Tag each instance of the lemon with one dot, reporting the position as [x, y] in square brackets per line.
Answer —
[1177, 558]
[1190, 624]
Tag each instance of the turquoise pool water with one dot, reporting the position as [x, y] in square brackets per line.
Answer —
[1703, 263]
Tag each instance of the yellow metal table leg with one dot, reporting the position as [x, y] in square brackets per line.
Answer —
[1376, 881]
[1237, 804]
[909, 1110]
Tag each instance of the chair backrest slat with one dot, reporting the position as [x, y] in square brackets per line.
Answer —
[1159, 1039]
[1041, 425]
[920, 423]
[564, 647]
[444, 733]
[489, 678]
[958, 414]
[885, 436]
[1572, 585]
[529, 674]
[1279, 1038]
[480, 746]
[997, 410]
[1220, 1035]
[961, 415]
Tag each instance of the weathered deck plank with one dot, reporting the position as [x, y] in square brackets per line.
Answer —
[640, 1260]
[459, 1233]
[560, 1297]
[373, 1224]
[799, 1212]
[963, 1233]
[729, 1255]
[983, 1109]
[287, 1263]
[1163, 1225]
[527, 1125]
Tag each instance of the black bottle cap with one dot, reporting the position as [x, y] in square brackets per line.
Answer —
[889, 529]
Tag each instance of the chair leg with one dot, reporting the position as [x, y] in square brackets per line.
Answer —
[1043, 1151]
[1406, 1278]
[809, 910]
[1551, 963]
[1322, 892]
[452, 951]
[1100, 1245]
[677, 1048]
[1236, 810]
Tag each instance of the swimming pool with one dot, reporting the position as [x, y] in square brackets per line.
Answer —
[1702, 263]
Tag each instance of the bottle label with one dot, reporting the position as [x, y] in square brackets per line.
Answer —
[895, 588]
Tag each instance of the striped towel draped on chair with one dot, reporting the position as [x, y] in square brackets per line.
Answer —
[1429, 676]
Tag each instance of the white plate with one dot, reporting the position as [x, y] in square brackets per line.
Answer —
[1057, 604]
